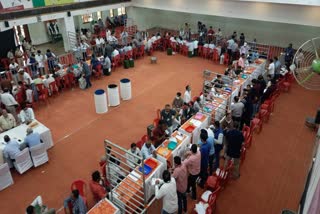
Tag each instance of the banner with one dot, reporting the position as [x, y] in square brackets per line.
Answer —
[11, 5]
[43, 3]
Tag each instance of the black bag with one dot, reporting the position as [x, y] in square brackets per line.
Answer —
[106, 72]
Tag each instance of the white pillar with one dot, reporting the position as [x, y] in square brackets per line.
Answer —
[67, 25]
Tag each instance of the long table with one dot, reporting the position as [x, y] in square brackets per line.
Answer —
[19, 133]
[128, 191]
[164, 154]
[199, 121]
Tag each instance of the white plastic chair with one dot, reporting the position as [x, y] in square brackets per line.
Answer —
[5, 176]
[39, 154]
[23, 161]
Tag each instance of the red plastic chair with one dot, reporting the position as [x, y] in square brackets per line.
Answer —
[248, 142]
[200, 50]
[184, 50]
[140, 144]
[215, 55]
[243, 154]
[54, 88]
[135, 53]
[222, 176]
[72, 79]
[158, 114]
[264, 115]
[81, 186]
[212, 204]
[156, 122]
[98, 73]
[212, 183]
[66, 81]
[246, 131]
[44, 95]
[286, 86]
[141, 51]
[215, 193]
[129, 54]
[144, 138]
[173, 45]
[226, 59]
[256, 124]
[40, 87]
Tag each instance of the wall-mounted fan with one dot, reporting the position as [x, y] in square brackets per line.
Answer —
[307, 72]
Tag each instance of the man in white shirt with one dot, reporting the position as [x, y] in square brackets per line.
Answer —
[167, 190]
[131, 160]
[153, 38]
[40, 60]
[13, 67]
[211, 46]
[187, 94]
[100, 45]
[124, 37]
[26, 115]
[28, 80]
[113, 40]
[236, 111]
[7, 121]
[190, 46]
[271, 68]
[244, 49]
[148, 150]
[10, 54]
[10, 103]
[108, 34]
[230, 43]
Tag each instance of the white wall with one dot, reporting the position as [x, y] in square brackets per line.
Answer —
[283, 13]
[300, 2]
[265, 32]
[38, 33]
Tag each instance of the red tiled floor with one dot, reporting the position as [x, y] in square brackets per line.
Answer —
[272, 176]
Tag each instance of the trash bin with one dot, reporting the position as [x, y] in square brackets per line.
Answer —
[100, 101]
[113, 95]
[126, 64]
[131, 63]
[169, 51]
[125, 89]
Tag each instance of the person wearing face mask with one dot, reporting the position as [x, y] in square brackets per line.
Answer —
[133, 161]
[187, 94]
[177, 102]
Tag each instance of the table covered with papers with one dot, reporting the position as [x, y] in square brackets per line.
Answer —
[104, 206]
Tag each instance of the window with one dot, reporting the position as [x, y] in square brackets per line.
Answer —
[111, 12]
[86, 18]
[123, 10]
[99, 14]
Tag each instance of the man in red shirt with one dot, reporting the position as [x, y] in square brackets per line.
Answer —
[180, 173]
[193, 163]
[210, 34]
[96, 188]
[159, 133]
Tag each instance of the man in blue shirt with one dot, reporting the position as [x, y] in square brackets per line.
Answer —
[78, 205]
[11, 149]
[87, 71]
[32, 138]
[205, 151]
[210, 142]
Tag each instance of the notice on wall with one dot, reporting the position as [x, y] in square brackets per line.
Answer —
[43, 3]
[12, 5]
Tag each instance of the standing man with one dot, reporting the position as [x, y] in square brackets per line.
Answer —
[78, 205]
[271, 68]
[124, 37]
[289, 53]
[51, 60]
[230, 43]
[205, 152]
[193, 162]
[236, 111]
[234, 140]
[13, 67]
[167, 189]
[277, 67]
[168, 115]
[40, 61]
[87, 72]
[187, 94]
[19, 56]
[218, 143]
[180, 173]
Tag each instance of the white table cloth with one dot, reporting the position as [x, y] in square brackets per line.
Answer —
[19, 133]
[180, 150]
[195, 135]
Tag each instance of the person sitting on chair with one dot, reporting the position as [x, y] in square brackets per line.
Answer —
[32, 139]
[26, 114]
[97, 187]
[78, 204]
[133, 161]
[159, 133]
